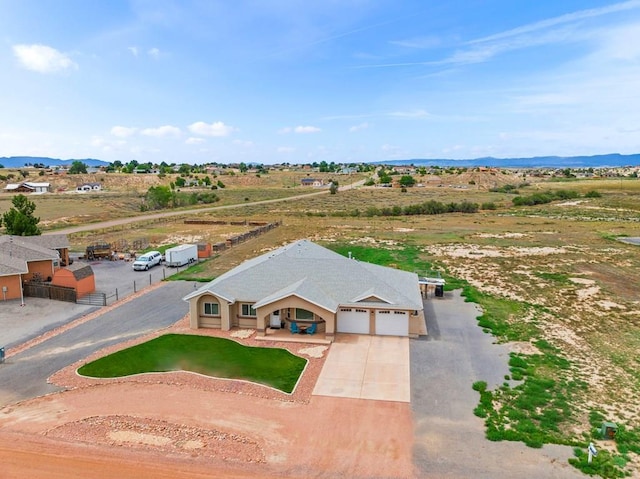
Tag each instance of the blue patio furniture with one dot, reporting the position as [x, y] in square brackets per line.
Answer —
[312, 329]
[294, 328]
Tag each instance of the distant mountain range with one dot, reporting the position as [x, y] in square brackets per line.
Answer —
[21, 161]
[596, 161]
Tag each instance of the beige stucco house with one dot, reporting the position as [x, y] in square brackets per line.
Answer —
[305, 284]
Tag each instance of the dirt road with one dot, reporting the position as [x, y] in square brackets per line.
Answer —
[168, 214]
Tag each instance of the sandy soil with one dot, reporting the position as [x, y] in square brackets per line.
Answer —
[184, 425]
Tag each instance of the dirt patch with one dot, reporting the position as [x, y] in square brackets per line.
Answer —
[118, 431]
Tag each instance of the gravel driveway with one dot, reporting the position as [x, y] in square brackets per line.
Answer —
[449, 439]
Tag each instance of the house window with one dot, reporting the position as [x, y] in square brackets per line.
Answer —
[247, 310]
[212, 309]
[398, 312]
[361, 311]
[384, 312]
[345, 310]
[303, 314]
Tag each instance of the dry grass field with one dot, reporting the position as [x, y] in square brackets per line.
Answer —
[553, 279]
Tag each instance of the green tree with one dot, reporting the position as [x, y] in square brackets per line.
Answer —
[407, 180]
[243, 167]
[77, 167]
[158, 197]
[19, 220]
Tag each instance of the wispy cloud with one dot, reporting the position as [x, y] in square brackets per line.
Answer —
[194, 141]
[123, 131]
[560, 29]
[154, 53]
[285, 149]
[560, 20]
[162, 131]
[420, 43]
[409, 114]
[299, 129]
[216, 129]
[361, 126]
[43, 59]
[134, 51]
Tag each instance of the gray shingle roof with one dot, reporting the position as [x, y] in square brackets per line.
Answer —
[80, 270]
[51, 241]
[318, 275]
[16, 251]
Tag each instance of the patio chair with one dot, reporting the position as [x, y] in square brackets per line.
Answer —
[294, 328]
[312, 329]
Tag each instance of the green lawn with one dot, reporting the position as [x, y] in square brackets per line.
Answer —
[216, 357]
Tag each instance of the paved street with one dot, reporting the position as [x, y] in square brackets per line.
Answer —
[450, 440]
[24, 375]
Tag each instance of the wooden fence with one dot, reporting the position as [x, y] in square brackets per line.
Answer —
[48, 291]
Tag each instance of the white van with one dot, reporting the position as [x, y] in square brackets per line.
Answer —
[147, 260]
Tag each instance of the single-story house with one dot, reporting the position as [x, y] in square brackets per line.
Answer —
[89, 187]
[22, 260]
[27, 187]
[306, 284]
[315, 182]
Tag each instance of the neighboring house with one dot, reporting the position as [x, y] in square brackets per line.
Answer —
[312, 182]
[89, 187]
[306, 283]
[27, 187]
[22, 260]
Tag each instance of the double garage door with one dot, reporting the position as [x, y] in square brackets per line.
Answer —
[387, 322]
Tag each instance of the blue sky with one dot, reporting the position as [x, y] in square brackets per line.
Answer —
[272, 81]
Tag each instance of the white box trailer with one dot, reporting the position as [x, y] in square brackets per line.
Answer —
[181, 255]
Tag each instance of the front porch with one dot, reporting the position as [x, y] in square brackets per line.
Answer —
[286, 336]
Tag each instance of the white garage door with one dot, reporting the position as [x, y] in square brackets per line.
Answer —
[351, 320]
[392, 323]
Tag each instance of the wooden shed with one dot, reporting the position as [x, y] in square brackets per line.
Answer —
[78, 276]
[204, 250]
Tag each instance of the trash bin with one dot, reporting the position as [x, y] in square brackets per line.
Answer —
[1, 355]
[439, 290]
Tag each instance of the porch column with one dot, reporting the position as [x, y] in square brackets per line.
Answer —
[225, 313]
[261, 321]
[194, 313]
[330, 327]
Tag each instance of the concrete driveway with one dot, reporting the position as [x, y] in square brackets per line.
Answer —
[366, 367]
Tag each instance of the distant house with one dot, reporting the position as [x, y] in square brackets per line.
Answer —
[312, 182]
[404, 170]
[89, 187]
[39, 258]
[27, 187]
